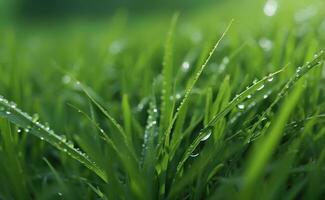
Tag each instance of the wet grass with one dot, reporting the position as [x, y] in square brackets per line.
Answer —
[183, 106]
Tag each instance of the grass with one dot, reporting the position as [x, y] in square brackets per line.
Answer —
[183, 106]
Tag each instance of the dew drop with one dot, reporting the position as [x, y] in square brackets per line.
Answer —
[185, 66]
[59, 193]
[270, 7]
[207, 136]
[266, 44]
[270, 79]
[19, 130]
[241, 106]
[249, 96]
[194, 155]
[8, 112]
[260, 88]
[13, 105]
[66, 79]
[35, 118]
[42, 138]
[265, 96]
[155, 110]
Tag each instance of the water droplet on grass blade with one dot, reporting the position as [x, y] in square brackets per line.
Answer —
[207, 135]
[66, 79]
[185, 66]
[266, 44]
[270, 79]
[194, 155]
[260, 88]
[241, 106]
[270, 8]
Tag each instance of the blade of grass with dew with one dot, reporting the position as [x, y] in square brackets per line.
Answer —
[148, 147]
[208, 129]
[166, 139]
[300, 72]
[10, 111]
[123, 155]
[192, 83]
[167, 107]
[263, 151]
[127, 140]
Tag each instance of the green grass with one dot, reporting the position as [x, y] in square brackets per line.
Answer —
[192, 105]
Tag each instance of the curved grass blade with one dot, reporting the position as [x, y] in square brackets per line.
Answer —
[205, 132]
[9, 111]
[192, 83]
[127, 140]
[165, 141]
[300, 72]
[264, 150]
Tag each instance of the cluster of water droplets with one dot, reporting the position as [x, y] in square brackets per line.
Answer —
[31, 124]
[151, 130]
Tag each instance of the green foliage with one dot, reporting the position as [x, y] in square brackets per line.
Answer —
[166, 108]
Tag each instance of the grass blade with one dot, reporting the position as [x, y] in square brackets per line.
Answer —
[264, 150]
[9, 111]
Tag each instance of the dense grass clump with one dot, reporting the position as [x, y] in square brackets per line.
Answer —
[183, 108]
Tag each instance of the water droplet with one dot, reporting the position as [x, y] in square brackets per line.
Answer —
[270, 79]
[117, 46]
[42, 138]
[298, 69]
[13, 105]
[260, 88]
[63, 138]
[19, 130]
[59, 193]
[194, 155]
[207, 136]
[185, 66]
[249, 96]
[241, 106]
[155, 110]
[8, 112]
[265, 96]
[66, 79]
[35, 118]
[266, 44]
[270, 7]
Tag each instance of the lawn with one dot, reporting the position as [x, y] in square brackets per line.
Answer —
[222, 101]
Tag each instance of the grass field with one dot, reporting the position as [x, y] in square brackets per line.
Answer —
[221, 102]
